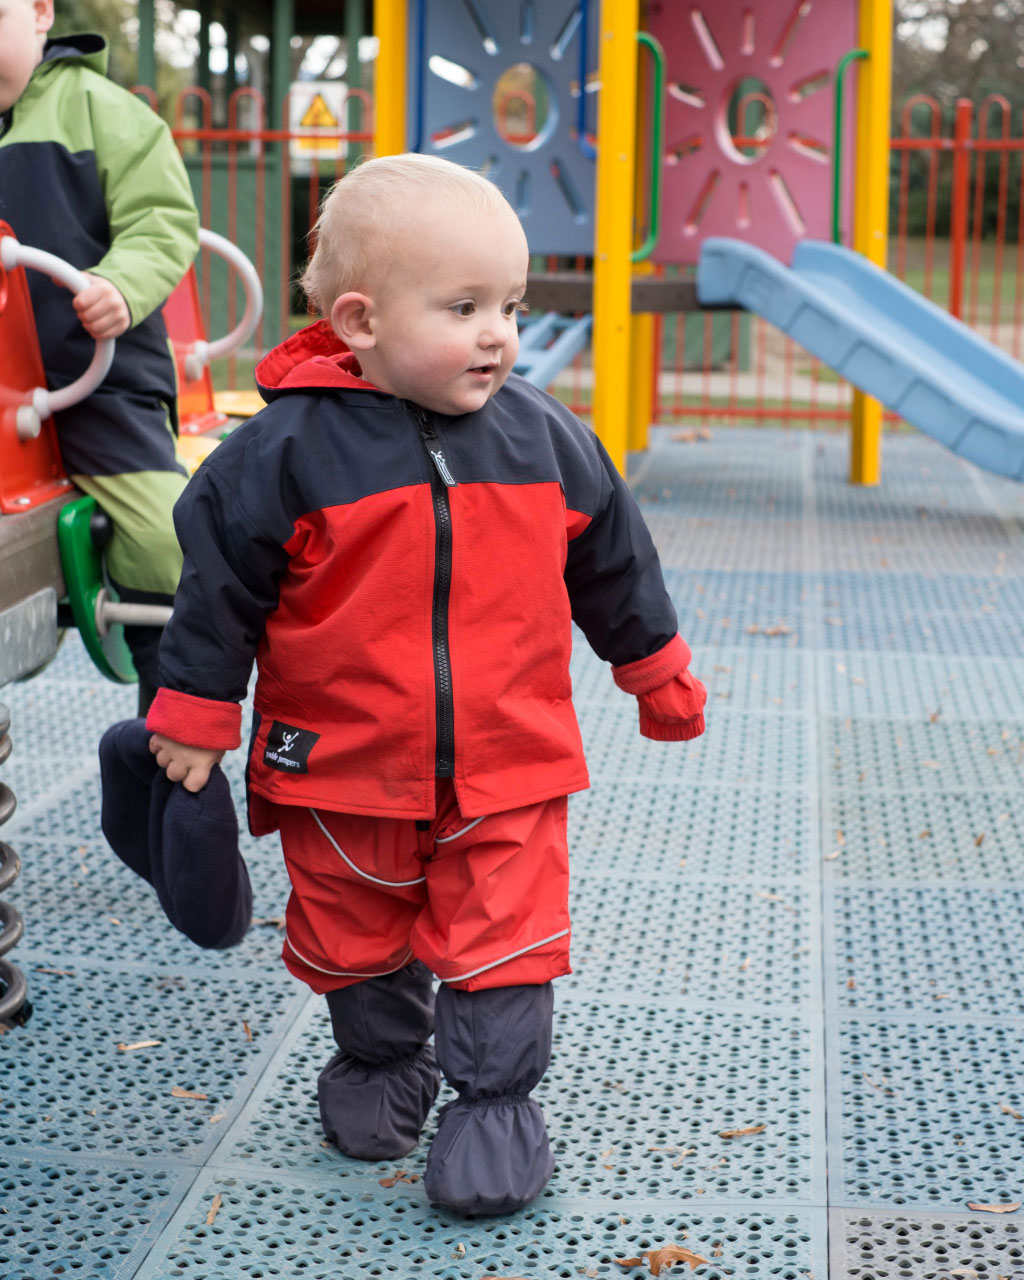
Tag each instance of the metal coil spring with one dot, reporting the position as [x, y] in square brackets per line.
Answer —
[14, 1006]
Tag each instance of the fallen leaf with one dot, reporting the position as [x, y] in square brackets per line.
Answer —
[248, 1031]
[113, 919]
[742, 1133]
[964, 1271]
[851, 984]
[401, 1176]
[178, 1092]
[214, 1210]
[979, 840]
[1006, 1109]
[994, 1208]
[667, 1256]
[768, 897]
[460, 1250]
[217, 1118]
[139, 1044]
[276, 921]
[931, 764]
[60, 973]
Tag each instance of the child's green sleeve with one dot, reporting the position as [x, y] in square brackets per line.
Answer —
[154, 225]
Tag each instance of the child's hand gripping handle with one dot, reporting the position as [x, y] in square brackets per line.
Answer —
[42, 403]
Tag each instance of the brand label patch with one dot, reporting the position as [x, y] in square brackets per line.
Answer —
[288, 747]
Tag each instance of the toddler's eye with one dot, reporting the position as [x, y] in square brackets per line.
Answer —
[464, 309]
[511, 308]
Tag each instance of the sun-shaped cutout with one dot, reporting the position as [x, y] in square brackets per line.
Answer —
[749, 120]
[500, 92]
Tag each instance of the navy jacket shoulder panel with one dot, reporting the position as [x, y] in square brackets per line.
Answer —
[308, 450]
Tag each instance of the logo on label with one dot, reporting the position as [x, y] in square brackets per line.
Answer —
[288, 747]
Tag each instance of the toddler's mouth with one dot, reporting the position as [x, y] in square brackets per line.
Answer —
[484, 368]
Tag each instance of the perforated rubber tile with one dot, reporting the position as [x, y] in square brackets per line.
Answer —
[281, 1228]
[872, 1246]
[94, 1070]
[745, 943]
[107, 1216]
[931, 951]
[927, 1111]
[700, 830]
[946, 755]
[748, 750]
[922, 686]
[913, 836]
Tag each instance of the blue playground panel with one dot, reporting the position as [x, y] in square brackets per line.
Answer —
[883, 337]
[808, 920]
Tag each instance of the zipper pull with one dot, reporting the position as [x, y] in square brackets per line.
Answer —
[434, 447]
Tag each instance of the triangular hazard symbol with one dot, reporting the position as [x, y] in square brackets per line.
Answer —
[318, 115]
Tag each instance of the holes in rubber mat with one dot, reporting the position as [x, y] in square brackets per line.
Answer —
[937, 951]
[67, 1086]
[920, 686]
[62, 1220]
[915, 836]
[922, 1112]
[276, 1231]
[651, 831]
[747, 750]
[752, 944]
[940, 756]
[877, 1247]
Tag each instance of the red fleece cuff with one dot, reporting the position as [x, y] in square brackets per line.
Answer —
[659, 731]
[196, 722]
[654, 670]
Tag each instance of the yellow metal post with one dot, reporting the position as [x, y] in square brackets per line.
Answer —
[613, 240]
[871, 206]
[390, 22]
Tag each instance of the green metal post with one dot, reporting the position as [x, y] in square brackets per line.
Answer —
[205, 18]
[146, 71]
[231, 48]
[283, 29]
[355, 115]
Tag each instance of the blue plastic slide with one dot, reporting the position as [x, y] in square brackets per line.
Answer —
[883, 337]
[547, 343]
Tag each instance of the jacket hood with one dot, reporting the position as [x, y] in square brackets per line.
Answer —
[313, 358]
[90, 50]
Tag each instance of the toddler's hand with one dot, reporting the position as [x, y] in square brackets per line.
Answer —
[188, 765]
[101, 308]
[674, 712]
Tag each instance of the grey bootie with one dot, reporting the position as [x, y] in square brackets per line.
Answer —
[377, 1090]
[491, 1154]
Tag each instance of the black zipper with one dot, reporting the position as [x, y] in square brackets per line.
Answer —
[441, 481]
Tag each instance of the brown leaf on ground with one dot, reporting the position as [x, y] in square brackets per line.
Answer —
[401, 1176]
[979, 840]
[214, 1210]
[994, 1208]
[139, 1044]
[742, 1133]
[1007, 1110]
[178, 1092]
[667, 1256]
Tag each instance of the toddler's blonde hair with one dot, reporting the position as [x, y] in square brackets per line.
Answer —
[362, 211]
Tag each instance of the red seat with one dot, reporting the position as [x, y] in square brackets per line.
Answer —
[31, 471]
[184, 319]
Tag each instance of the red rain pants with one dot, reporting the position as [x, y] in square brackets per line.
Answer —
[482, 902]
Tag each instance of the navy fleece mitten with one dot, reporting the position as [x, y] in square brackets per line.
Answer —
[183, 843]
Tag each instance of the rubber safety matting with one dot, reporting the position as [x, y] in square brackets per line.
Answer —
[793, 1041]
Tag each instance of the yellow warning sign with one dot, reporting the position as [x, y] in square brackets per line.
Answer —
[318, 115]
[316, 111]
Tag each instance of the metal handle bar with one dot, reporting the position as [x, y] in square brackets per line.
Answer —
[42, 403]
[203, 352]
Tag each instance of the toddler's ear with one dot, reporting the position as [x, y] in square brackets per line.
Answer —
[350, 320]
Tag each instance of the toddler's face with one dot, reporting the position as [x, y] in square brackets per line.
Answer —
[23, 26]
[445, 312]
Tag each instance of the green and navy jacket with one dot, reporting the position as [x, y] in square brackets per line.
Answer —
[91, 173]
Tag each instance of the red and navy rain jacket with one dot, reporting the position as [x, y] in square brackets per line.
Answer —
[405, 582]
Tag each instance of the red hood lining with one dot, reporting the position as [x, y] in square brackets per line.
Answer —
[313, 357]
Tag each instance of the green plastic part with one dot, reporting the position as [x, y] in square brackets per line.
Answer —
[82, 565]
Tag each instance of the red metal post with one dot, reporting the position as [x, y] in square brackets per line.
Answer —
[961, 202]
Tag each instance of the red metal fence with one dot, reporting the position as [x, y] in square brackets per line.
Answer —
[957, 235]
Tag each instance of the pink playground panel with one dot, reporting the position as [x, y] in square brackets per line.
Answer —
[770, 62]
